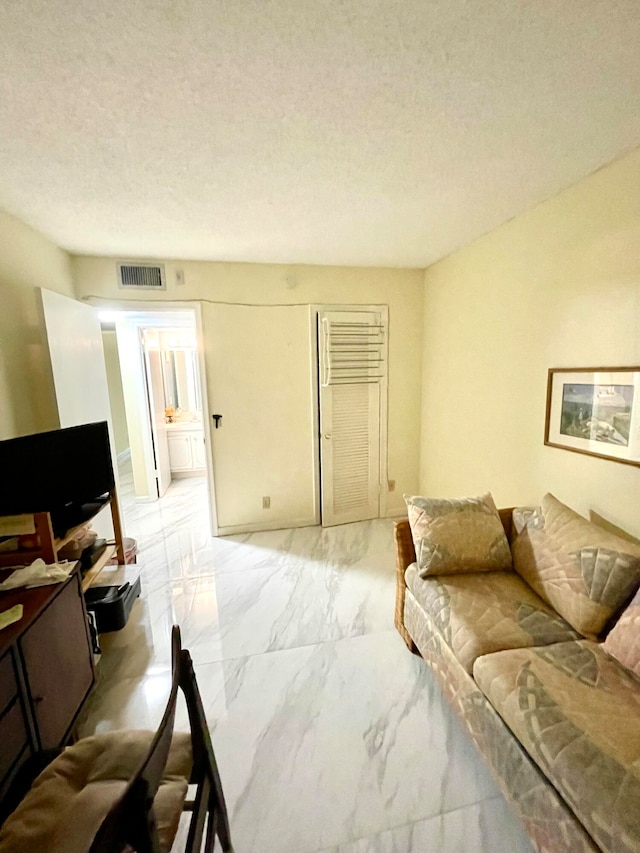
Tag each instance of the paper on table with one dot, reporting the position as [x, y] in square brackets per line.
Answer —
[38, 574]
[8, 617]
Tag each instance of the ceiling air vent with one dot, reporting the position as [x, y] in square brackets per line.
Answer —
[141, 277]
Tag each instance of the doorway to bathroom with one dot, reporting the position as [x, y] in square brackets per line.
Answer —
[157, 390]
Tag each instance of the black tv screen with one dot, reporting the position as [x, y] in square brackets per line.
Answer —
[50, 471]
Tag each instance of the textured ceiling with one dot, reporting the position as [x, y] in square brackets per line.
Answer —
[357, 132]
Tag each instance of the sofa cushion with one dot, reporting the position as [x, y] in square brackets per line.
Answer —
[481, 613]
[69, 800]
[623, 642]
[577, 713]
[457, 536]
[582, 570]
[550, 823]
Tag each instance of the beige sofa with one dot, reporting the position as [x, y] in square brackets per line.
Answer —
[554, 710]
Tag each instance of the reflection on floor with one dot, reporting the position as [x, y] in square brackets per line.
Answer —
[330, 736]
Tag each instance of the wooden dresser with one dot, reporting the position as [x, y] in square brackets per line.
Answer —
[46, 672]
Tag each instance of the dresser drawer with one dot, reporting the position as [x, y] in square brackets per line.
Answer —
[13, 736]
[58, 664]
[8, 683]
[14, 733]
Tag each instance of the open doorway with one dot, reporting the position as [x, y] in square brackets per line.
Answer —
[157, 387]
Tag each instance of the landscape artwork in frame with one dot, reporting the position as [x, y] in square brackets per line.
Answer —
[595, 411]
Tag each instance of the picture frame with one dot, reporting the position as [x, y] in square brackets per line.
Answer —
[595, 410]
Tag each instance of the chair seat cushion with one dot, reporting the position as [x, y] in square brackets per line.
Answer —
[486, 612]
[68, 801]
[577, 713]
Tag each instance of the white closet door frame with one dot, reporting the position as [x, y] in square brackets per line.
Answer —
[383, 310]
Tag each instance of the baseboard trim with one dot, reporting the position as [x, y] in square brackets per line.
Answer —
[229, 530]
[395, 513]
[122, 457]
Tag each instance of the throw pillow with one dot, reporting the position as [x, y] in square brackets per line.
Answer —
[456, 536]
[623, 641]
[582, 570]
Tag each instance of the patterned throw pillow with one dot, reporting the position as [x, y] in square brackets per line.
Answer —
[582, 570]
[456, 536]
[623, 642]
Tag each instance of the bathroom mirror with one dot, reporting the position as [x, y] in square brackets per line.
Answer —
[178, 357]
[180, 377]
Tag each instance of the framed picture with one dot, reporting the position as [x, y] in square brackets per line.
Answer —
[595, 410]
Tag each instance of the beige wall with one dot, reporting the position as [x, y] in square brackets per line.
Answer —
[28, 261]
[273, 285]
[116, 395]
[558, 286]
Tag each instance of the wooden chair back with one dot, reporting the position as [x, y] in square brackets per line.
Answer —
[130, 824]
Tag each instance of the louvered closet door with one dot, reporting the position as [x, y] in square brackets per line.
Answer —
[352, 365]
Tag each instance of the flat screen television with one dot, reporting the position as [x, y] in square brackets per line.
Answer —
[57, 472]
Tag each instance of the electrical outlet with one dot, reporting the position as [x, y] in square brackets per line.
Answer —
[391, 485]
[266, 502]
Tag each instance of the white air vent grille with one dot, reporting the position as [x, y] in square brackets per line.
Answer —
[352, 352]
[141, 277]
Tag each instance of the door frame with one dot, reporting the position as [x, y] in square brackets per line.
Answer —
[139, 309]
[155, 395]
[383, 310]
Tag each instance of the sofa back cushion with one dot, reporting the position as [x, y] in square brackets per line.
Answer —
[456, 536]
[582, 570]
[623, 641]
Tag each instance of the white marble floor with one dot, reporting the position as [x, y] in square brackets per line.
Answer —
[329, 734]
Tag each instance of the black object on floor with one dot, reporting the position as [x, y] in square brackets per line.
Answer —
[111, 605]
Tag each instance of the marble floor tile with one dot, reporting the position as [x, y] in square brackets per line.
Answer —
[329, 735]
[282, 602]
[351, 737]
[185, 550]
[485, 827]
[226, 616]
[128, 703]
[322, 744]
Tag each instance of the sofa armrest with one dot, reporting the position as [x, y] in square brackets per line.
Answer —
[405, 555]
[405, 552]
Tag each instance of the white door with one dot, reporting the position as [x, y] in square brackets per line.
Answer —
[155, 388]
[352, 365]
[74, 339]
[263, 389]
